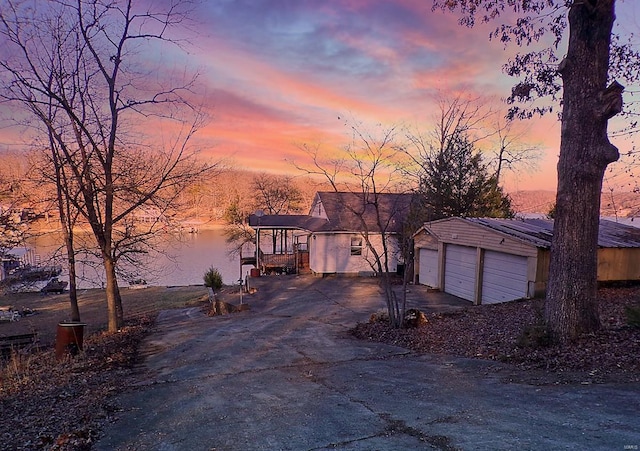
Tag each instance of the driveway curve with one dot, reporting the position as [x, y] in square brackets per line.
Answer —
[286, 375]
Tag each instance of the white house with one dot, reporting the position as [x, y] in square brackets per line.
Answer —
[332, 238]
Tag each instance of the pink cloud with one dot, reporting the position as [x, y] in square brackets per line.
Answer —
[382, 61]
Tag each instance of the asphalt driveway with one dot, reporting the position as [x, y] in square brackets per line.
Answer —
[287, 376]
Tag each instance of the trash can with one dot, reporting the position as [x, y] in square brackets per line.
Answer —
[69, 339]
[255, 272]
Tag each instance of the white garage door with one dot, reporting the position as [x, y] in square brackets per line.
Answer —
[428, 271]
[460, 271]
[504, 277]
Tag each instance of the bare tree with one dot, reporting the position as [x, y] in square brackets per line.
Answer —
[369, 170]
[455, 116]
[15, 220]
[482, 125]
[13, 171]
[509, 149]
[327, 167]
[12, 230]
[76, 67]
[276, 195]
[237, 230]
[67, 196]
[449, 173]
[590, 98]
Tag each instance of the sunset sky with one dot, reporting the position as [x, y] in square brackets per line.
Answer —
[279, 73]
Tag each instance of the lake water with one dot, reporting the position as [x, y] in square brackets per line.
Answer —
[182, 262]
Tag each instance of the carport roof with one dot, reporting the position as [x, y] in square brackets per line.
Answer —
[303, 222]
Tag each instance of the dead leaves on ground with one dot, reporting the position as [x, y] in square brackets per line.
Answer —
[510, 333]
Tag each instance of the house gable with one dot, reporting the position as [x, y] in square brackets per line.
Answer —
[317, 208]
[357, 212]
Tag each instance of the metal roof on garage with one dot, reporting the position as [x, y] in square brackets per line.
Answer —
[540, 231]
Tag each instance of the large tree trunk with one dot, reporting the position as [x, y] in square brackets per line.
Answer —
[585, 152]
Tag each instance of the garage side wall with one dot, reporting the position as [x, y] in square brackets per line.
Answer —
[617, 264]
[614, 264]
[542, 273]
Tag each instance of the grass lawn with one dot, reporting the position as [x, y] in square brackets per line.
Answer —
[52, 309]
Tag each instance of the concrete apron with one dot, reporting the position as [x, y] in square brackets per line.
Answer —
[287, 376]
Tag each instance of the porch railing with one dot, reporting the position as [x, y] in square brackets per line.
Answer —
[278, 260]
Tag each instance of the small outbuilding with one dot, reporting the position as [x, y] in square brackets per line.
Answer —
[487, 260]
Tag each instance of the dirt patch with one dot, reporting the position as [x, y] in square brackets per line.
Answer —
[511, 333]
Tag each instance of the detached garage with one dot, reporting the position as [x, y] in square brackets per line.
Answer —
[497, 260]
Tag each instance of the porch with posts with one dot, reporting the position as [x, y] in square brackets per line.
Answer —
[283, 249]
[289, 254]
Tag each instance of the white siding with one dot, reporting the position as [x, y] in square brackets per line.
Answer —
[322, 254]
[460, 271]
[428, 274]
[331, 253]
[504, 277]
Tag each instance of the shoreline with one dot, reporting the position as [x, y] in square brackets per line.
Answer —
[181, 226]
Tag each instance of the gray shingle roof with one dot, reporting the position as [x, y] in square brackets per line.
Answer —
[345, 211]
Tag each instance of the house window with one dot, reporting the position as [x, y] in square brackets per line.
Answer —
[356, 246]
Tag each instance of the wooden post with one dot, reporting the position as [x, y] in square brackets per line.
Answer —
[258, 248]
